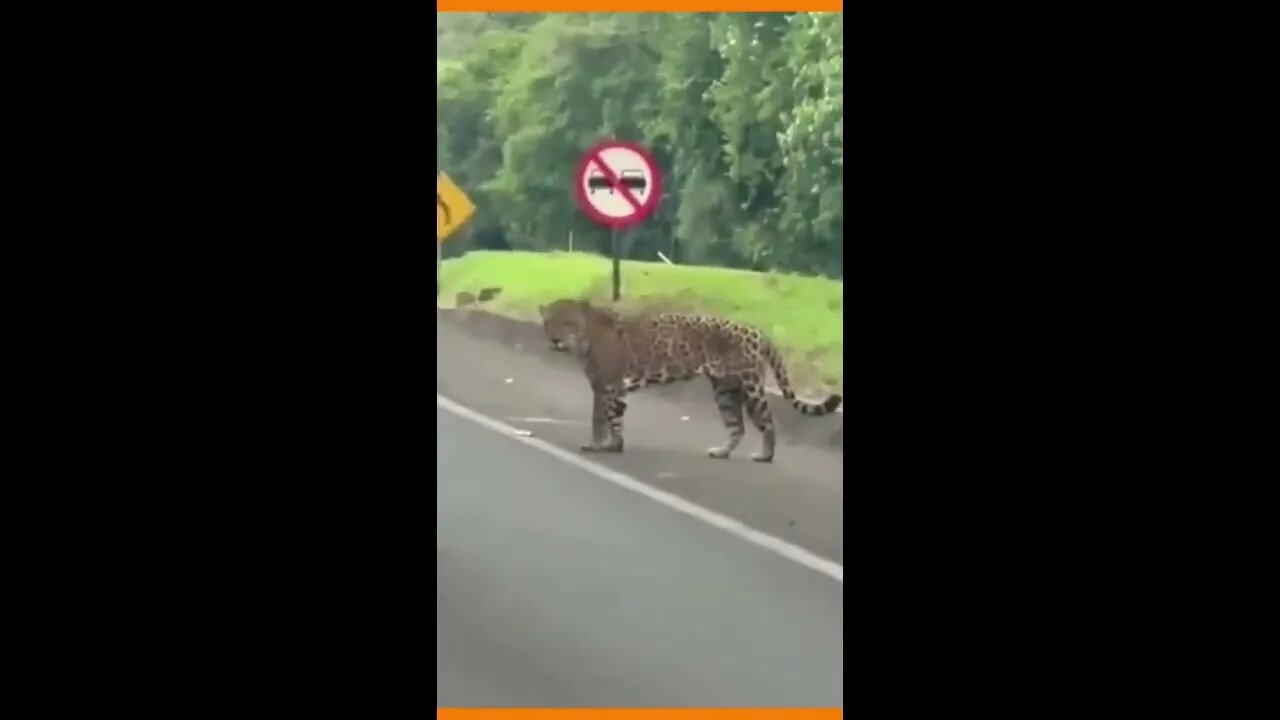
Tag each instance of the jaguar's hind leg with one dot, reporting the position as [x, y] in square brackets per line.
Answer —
[728, 394]
[758, 409]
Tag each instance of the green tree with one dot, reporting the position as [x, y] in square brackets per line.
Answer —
[744, 113]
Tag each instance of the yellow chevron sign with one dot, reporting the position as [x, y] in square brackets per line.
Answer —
[453, 207]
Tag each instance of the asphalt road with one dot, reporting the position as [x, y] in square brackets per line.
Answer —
[556, 588]
[505, 370]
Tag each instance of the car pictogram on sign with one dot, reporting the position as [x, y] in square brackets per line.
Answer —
[597, 181]
[633, 179]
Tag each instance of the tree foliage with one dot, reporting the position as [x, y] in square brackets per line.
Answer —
[744, 113]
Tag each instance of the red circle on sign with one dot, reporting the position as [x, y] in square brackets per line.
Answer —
[607, 179]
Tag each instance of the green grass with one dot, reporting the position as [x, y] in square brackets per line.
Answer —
[804, 316]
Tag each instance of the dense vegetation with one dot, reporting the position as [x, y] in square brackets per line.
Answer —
[743, 111]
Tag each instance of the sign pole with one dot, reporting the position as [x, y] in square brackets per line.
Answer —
[617, 184]
[617, 265]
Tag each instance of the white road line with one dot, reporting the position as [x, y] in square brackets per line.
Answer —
[781, 547]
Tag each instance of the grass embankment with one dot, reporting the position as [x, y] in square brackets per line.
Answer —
[804, 316]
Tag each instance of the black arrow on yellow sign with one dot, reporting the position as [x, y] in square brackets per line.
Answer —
[440, 203]
[453, 207]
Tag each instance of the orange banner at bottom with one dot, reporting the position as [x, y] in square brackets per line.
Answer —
[640, 714]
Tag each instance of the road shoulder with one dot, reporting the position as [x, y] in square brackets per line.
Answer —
[503, 369]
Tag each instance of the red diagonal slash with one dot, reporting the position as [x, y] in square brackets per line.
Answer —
[614, 181]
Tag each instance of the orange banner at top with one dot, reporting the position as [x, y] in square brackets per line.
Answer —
[639, 6]
[640, 714]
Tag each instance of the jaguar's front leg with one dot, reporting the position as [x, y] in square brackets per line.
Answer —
[599, 422]
[611, 407]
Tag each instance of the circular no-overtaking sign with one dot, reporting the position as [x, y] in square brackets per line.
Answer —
[617, 183]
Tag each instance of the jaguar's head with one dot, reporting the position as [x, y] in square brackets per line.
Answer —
[564, 322]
